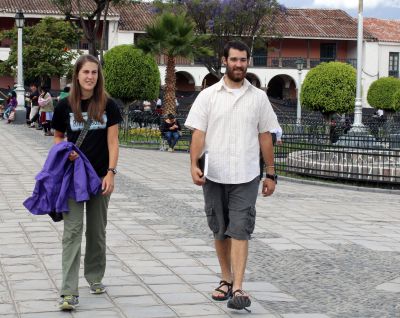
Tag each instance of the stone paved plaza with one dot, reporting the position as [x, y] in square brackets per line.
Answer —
[317, 252]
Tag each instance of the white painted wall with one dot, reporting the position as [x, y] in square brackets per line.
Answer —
[384, 49]
[375, 64]
[4, 53]
[124, 38]
[264, 75]
[370, 69]
[113, 34]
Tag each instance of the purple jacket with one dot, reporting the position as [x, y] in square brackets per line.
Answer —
[61, 179]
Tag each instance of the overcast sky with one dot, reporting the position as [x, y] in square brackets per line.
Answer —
[384, 9]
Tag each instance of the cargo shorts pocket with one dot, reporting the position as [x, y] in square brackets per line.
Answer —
[212, 220]
[251, 222]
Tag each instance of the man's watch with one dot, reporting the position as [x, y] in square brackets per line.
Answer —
[113, 170]
[273, 177]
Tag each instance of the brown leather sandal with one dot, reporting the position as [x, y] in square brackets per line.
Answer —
[239, 301]
[225, 294]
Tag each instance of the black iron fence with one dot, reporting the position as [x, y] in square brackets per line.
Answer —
[314, 148]
[334, 151]
[142, 130]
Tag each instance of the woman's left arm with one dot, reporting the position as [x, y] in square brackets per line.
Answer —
[113, 150]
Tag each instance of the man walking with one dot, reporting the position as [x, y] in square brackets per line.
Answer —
[231, 120]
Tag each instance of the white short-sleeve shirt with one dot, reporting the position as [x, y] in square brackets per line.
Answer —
[232, 123]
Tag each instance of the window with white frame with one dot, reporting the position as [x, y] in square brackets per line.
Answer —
[394, 64]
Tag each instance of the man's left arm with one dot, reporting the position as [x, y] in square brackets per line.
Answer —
[267, 151]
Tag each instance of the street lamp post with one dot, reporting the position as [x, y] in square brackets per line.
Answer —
[357, 125]
[20, 91]
[299, 64]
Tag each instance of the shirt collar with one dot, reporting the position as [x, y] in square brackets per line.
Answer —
[221, 84]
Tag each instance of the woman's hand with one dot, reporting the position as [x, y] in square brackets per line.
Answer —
[73, 155]
[108, 184]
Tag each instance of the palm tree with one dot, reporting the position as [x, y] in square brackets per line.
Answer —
[172, 35]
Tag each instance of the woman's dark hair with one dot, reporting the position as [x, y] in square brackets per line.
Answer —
[45, 89]
[237, 45]
[98, 100]
[66, 89]
[13, 94]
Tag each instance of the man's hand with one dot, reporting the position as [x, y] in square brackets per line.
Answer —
[197, 176]
[268, 187]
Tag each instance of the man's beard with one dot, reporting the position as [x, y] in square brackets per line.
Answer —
[230, 72]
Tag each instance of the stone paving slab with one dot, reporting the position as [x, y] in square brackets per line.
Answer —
[317, 252]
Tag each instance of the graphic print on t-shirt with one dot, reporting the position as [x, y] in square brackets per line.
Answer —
[76, 126]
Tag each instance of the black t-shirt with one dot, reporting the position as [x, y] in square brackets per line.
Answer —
[35, 102]
[95, 145]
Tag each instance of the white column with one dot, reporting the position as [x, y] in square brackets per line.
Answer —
[298, 115]
[20, 75]
[357, 125]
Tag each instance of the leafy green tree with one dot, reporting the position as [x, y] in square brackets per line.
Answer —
[329, 88]
[381, 93]
[251, 21]
[396, 100]
[130, 75]
[88, 18]
[45, 50]
[172, 34]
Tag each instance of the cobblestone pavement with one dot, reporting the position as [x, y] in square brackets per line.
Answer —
[317, 252]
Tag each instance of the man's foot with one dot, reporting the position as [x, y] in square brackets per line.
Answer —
[239, 300]
[170, 149]
[223, 291]
[97, 288]
[69, 302]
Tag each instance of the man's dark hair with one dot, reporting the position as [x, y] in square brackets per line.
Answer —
[170, 116]
[237, 45]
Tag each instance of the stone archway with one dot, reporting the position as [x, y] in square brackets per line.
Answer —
[209, 80]
[253, 79]
[282, 87]
[184, 82]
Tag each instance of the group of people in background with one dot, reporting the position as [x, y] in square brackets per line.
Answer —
[39, 105]
[11, 105]
[40, 108]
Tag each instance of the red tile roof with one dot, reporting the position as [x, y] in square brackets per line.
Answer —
[45, 7]
[135, 16]
[383, 30]
[294, 23]
[317, 23]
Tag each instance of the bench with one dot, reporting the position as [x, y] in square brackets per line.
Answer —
[183, 142]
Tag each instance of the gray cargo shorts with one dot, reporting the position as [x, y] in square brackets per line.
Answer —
[230, 208]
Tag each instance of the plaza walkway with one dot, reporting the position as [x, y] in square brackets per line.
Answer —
[317, 252]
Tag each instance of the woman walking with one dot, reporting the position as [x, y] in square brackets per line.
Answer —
[87, 100]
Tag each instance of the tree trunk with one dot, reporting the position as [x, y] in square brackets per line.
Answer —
[92, 48]
[103, 33]
[170, 85]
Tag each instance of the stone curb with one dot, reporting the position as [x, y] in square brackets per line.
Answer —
[339, 186]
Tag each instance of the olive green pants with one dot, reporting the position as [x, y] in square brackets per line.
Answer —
[95, 252]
